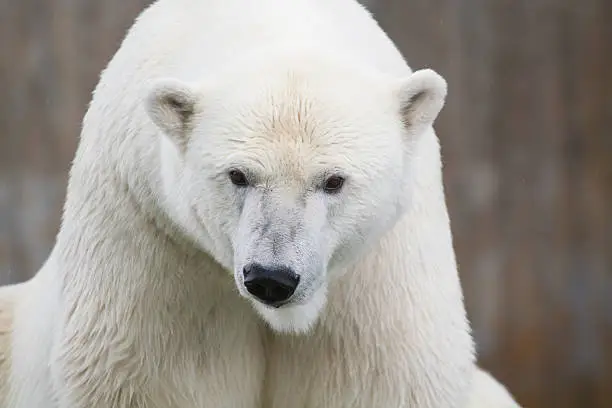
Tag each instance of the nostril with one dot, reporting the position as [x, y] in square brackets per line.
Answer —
[246, 270]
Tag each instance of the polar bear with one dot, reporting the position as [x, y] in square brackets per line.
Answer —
[254, 218]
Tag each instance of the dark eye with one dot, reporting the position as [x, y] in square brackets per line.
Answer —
[238, 178]
[333, 184]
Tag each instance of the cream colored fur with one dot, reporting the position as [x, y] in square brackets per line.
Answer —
[489, 393]
[137, 307]
[9, 295]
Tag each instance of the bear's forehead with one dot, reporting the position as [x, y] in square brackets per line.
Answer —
[298, 126]
[291, 118]
[299, 111]
[301, 128]
[289, 136]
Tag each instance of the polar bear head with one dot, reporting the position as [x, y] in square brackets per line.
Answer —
[284, 171]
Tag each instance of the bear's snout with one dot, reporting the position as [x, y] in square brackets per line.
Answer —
[270, 285]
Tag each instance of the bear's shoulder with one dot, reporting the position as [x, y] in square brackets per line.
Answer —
[7, 306]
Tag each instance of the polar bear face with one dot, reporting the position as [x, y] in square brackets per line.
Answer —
[285, 175]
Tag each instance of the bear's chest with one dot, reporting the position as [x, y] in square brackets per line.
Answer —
[319, 372]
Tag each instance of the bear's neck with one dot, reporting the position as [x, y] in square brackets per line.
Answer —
[402, 303]
[413, 266]
[114, 254]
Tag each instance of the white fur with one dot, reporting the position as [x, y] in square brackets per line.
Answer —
[136, 305]
[489, 393]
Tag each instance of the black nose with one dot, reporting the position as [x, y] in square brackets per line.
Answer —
[270, 284]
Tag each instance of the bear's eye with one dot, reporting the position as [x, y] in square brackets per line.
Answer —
[333, 184]
[238, 178]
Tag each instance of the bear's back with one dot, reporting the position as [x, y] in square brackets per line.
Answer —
[188, 38]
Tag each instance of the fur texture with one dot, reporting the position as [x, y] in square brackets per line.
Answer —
[8, 298]
[489, 393]
[142, 302]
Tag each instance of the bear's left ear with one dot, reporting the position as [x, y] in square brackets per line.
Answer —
[421, 98]
[171, 104]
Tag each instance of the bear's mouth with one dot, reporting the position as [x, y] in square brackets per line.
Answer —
[291, 317]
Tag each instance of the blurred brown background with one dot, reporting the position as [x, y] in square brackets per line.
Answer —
[525, 143]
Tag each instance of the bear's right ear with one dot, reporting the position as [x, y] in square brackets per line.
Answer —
[171, 104]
